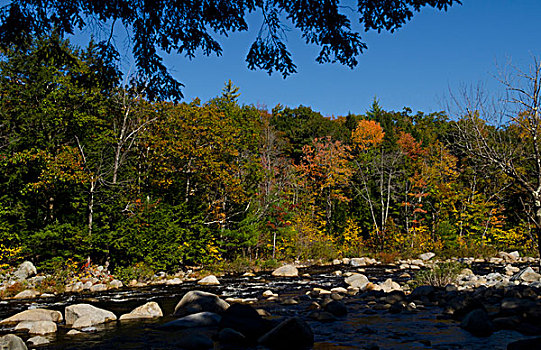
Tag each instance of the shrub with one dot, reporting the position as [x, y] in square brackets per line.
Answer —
[440, 275]
[139, 272]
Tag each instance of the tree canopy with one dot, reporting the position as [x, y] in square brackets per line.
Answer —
[185, 27]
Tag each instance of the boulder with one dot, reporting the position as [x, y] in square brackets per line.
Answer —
[339, 290]
[525, 344]
[293, 333]
[100, 287]
[427, 256]
[511, 270]
[27, 294]
[36, 327]
[357, 280]
[34, 315]
[12, 342]
[148, 310]
[246, 320]
[193, 341]
[515, 254]
[478, 323]
[286, 271]
[115, 284]
[461, 305]
[174, 281]
[526, 275]
[337, 308]
[389, 285]
[422, 291]
[86, 315]
[38, 340]
[200, 319]
[210, 280]
[269, 293]
[197, 301]
[356, 262]
[25, 270]
[231, 339]
[322, 316]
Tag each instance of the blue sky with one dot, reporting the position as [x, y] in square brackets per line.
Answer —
[414, 67]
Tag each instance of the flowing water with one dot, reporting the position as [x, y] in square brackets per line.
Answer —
[364, 327]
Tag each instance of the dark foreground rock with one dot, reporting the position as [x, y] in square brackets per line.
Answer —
[246, 320]
[525, 344]
[478, 323]
[293, 333]
[200, 319]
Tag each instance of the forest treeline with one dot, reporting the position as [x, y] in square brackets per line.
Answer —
[90, 168]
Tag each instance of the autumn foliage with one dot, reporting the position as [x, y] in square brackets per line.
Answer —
[95, 169]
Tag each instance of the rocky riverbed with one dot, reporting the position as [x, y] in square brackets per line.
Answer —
[351, 304]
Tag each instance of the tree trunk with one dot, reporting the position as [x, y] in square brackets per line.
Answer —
[537, 227]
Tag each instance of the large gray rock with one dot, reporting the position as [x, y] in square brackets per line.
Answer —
[86, 315]
[114, 284]
[148, 310]
[478, 323]
[34, 315]
[200, 319]
[27, 294]
[286, 271]
[100, 287]
[12, 342]
[527, 275]
[25, 270]
[356, 262]
[427, 256]
[210, 280]
[357, 280]
[36, 327]
[293, 333]
[389, 285]
[197, 301]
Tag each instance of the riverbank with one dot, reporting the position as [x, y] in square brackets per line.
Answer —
[502, 293]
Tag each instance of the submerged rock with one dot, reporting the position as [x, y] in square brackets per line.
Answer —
[148, 310]
[197, 301]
